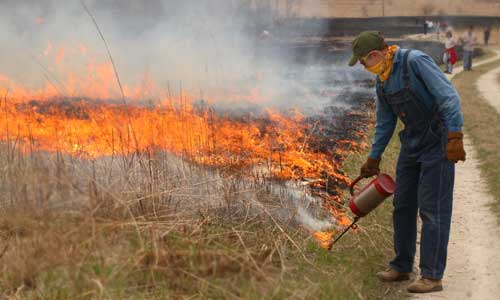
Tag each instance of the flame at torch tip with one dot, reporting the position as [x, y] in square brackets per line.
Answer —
[325, 238]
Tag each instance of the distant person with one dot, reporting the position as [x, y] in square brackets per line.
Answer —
[428, 26]
[469, 41]
[438, 30]
[487, 32]
[450, 54]
[448, 27]
[411, 87]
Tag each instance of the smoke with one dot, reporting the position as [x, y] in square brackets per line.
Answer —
[224, 51]
[312, 223]
[300, 205]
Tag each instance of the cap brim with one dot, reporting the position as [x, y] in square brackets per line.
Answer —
[354, 60]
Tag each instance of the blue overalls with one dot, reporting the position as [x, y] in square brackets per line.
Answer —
[424, 182]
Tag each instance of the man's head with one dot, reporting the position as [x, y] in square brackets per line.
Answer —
[368, 48]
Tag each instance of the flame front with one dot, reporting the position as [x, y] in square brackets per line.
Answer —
[274, 142]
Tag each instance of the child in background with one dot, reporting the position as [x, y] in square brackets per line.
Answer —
[450, 54]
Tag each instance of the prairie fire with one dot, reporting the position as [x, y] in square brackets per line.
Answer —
[276, 144]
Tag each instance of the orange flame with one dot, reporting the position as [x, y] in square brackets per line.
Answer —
[274, 143]
[325, 238]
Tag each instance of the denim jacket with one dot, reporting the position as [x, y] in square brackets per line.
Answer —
[433, 89]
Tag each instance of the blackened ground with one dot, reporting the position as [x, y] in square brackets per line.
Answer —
[393, 27]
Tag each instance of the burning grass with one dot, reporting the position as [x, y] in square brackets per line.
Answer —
[153, 224]
[284, 145]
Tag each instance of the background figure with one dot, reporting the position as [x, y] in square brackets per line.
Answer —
[450, 54]
[438, 30]
[428, 26]
[487, 32]
[468, 41]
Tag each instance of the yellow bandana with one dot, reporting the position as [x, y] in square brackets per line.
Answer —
[383, 68]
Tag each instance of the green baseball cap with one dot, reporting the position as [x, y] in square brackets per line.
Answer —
[365, 42]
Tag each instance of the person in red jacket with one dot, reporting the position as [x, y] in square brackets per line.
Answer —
[450, 54]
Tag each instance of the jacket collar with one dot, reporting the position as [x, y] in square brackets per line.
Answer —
[397, 57]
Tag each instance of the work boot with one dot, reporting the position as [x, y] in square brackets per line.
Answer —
[425, 285]
[391, 275]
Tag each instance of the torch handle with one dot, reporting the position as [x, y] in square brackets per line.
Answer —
[353, 184]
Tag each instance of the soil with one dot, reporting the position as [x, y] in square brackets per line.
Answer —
[473, 252]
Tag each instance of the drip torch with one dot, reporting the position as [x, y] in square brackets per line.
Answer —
[367, 199]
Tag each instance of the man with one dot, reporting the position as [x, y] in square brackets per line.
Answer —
[487, 32]
[468, 41]
[412, 87]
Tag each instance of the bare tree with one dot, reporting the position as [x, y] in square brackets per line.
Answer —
[289, 7]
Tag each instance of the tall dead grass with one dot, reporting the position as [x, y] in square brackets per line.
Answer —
[146, 224]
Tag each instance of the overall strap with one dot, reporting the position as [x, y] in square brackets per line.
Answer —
[406, 73]
[406, 79]
[379, 89]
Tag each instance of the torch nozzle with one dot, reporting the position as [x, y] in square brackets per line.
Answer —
[353, 225]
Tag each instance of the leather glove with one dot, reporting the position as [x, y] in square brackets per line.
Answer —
[455, 147]
[370, 168]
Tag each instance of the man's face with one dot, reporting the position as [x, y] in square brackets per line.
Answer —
[372, 58]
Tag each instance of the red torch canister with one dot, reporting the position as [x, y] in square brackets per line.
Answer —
[371, 195]
[367, 199]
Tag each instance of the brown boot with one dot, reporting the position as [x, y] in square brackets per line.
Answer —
[425, 285]
[391, 275]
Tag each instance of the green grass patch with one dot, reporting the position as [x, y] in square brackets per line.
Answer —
[380, 218]
[481, 123]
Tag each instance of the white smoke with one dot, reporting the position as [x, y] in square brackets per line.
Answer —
[211, 49]
[312, 223]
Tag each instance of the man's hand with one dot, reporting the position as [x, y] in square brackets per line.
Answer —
[455, 147]
[370, 168]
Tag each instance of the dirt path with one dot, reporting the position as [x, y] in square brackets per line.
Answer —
[489, 86]
[474, 249]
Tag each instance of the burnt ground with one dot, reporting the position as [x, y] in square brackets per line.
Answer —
[392, 27]
[328, 40]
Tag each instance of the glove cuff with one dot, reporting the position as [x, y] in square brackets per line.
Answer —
[373, 163]
[455, 135]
